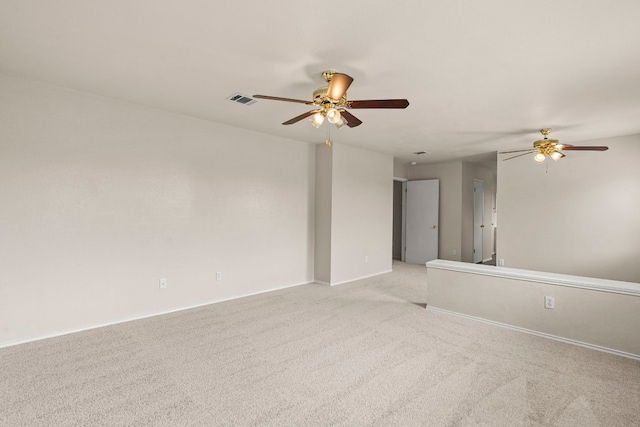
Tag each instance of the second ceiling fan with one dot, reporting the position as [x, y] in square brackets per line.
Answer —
[546, 147]
[331, 102]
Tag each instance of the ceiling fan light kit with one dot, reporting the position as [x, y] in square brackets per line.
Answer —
[550, 147]
[332, 104]
[547, 147]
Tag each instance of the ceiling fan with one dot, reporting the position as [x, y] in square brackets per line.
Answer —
[550, 147]
[331, 102]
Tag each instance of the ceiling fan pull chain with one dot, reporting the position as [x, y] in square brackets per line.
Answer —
[327, 142]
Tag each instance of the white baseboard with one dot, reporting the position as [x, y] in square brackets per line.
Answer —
[540, 334]
[362, 277]
[131, 319]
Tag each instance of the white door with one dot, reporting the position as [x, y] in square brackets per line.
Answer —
[422, 221]
[478, 219]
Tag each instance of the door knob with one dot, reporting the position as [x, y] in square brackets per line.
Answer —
[482, 226]
[435, 226]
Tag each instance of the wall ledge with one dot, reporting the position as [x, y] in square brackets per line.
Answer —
[592, 283]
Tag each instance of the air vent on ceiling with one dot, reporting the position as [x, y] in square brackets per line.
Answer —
[242, 99]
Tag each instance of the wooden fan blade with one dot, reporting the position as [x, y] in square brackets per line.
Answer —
[379, 103]
[516, 151]
[300, 117]
[338, 86]
[584, 148]
[519, 155]
[277, 98]
[352, 121]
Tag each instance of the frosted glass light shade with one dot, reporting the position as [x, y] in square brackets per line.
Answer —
[556, 155]
[333, 116]
[317, 119]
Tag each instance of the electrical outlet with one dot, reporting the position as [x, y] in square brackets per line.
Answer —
[501, 262]
[454, 252]
[163, 284]
[549, 302]
[219, 275]
[366, 258]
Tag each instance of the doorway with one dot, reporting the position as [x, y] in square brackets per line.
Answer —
[398, 219]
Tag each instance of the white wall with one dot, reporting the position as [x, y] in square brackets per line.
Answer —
[400, 169]
[101, 199]
[322, 264]
[579, 216]
[362, 213]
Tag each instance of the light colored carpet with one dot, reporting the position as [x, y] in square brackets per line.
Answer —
[364, 353]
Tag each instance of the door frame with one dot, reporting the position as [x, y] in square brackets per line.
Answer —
[403, 237]
[479, 255]
[403, 249]
[403, 215]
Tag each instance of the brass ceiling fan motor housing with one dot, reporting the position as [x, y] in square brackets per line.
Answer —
[546, 146]
[320, 95]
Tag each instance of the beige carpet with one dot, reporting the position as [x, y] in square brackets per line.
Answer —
[365, 353]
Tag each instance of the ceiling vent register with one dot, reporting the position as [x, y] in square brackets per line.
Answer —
[242, 99]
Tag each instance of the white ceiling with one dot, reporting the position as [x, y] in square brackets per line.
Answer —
[480, 76]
